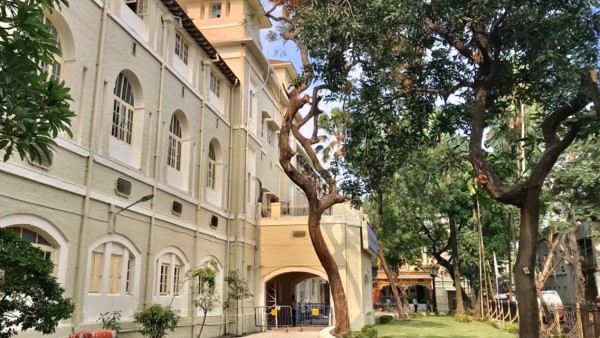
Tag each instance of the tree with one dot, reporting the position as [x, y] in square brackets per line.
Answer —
[309, 177]
[237, 290]
[34, 107]
[30, 297]
[156, 320]
[472, 56]
[205, 293]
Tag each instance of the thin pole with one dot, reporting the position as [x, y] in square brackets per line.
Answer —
[481, 281]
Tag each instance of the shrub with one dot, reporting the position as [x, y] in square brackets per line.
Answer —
[512, 328]
[463, 319]
[111, 321]
[156, 320]
[367, 331]
[384, 319]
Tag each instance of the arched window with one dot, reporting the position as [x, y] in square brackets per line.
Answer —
[120, 262]
[37, 240]
[122, 122]
[212, 167]
[170, 269]
[174, 156]
[53, 69]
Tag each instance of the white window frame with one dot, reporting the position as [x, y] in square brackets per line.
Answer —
[123, 110]
[215, 85]
[212, 167]
[163, 281]
[54, 70]
[181, 48]
[175, 144]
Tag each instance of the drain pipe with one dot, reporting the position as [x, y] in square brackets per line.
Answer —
[80, 268]
[200, 182]
[229, 180]
[147, 284]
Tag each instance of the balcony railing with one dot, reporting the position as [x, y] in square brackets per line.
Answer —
[284, 209]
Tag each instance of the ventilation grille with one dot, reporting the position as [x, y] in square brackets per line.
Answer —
[44, 163]
[298, 234]
[123, 187]
[177, 208]
[214, 221]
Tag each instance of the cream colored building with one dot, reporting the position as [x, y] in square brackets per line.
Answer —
[174, 99]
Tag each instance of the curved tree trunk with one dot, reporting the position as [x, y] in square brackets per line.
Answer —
[460, 306]
[529, 323]
[340, 303]
[392, 279]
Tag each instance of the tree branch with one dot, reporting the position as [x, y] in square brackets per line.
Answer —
[451, 39]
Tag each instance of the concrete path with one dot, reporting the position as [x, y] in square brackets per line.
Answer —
[293, 332]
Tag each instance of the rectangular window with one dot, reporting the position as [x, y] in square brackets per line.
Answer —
[139, 7]
[215, 85]
[212, 167]
[96, 272]
[176, 279]
[128, 276]
[181, 48]
[114, 276]
[215, 10]
[270, 135]
[251, 106]
[163, 288]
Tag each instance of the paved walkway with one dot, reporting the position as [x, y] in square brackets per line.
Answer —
[293, 332]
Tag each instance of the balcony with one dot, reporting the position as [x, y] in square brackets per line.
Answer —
[284, 209]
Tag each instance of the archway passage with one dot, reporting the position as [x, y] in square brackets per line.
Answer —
[296, 299]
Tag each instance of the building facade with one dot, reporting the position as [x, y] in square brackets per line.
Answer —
[173, 164]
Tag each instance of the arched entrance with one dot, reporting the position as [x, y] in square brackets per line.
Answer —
[294, 297]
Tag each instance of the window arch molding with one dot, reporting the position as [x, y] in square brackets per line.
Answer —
[67, 42]
[47, 229]
[181, 257]
[127, 121]
[113, 277]
[124, 242]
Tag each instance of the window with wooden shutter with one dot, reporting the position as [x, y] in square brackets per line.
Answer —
[114, 277]
[96, 272]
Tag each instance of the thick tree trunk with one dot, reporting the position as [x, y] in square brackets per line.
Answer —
[575, 260]
[340, 303]
[392, 279]
[460, 306]
[529, 323]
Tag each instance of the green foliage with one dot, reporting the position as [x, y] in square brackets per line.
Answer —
[368, 331]
[237, 289]
[205, 294]
[31, 296]
[512, 328]
[156, 320]
[111, 321]
[33, 108]
[463, 319]
[384, 319]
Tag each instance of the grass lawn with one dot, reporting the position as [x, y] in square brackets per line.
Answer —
[439, 327]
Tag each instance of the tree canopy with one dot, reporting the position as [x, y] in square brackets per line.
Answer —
[34, 107]
[30, 296]
[449, 65]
